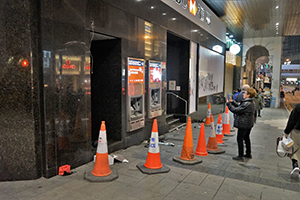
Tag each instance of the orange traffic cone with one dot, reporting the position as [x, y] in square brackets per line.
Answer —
[207, 120]
[187, 153]
[101, 171]
[219, 135]
[219, 130]
[101, 167]
[201, 147]
[153, 159]
[212, 146]
[226, 124]
[153, 163]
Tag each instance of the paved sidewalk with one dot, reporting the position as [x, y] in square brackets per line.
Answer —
[266, 176]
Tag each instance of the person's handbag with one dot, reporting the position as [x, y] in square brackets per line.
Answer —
[284, 146]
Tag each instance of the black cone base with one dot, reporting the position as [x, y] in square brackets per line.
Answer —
[90, 177]
[187, 162]
[146, 170]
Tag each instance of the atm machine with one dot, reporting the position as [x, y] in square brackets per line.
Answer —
[135, 94]
[154, 89]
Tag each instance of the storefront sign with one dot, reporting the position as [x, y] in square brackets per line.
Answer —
[199, 13]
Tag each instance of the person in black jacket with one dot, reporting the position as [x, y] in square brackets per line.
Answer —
[245, 113]
[293, 128]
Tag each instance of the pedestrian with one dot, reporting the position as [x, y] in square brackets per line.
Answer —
[240, 96]
[244, 116]
[261, 93]
[238, 92]
[258, 103]
[293, 129]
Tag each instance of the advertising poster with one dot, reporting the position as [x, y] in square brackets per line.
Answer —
[211, 72]
[135, 70]
[155, 72]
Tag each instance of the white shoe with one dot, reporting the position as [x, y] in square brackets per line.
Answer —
[295, 171]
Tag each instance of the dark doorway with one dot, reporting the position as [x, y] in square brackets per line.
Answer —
[106, 87]
[178, 50]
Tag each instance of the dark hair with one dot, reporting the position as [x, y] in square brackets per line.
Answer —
[239, 89]
[251, 92]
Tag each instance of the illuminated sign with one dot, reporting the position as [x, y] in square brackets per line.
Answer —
[135, 71]
[155, 72]
[195, 9]
[68, 65]
[88, 67]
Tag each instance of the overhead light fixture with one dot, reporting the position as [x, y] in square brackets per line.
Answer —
[231, 36]
[277, 32]
[194, 30]
[164, 14]
[173, 18]
[235, 49]
[218, 48]
[227, 33]
[152, 7]
[277, 7]
[277, 23]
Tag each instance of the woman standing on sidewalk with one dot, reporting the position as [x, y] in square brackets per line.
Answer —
[245, 113]
[293, 128]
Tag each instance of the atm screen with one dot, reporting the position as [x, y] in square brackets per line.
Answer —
[135, 70]
[155, 71]
[155, 75]
[136, 74]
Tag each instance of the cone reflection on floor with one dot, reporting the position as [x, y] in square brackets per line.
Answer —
[212, 146]
[101, 171]
[187, 153]
[207, 120]
[153, 163]
[201, 147]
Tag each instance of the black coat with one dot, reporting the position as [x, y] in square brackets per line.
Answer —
[244, 113]
[294, 120]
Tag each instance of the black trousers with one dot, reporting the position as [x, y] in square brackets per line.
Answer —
[244, 134]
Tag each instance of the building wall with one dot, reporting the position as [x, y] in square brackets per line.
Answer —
[46, 107]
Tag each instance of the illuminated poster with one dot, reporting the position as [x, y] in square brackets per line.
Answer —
[135, 70]
[155, 72]
[70, 64]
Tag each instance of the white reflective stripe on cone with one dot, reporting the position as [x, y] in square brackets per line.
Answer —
[102, 143]
[208, 113]
[212, 129]
[153, 146]
[226, 118]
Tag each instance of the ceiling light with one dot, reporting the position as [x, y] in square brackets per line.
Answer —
[227, 33]
[173, 18]
[277, 7]
[277, 23]
[164, 13]
[194, 30]
[231, 36]
[277, 32]
[235, 49]
[152, 7]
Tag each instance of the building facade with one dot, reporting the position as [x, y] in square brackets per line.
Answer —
[68, 65]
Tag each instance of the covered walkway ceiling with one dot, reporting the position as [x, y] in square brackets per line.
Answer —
[258, 18]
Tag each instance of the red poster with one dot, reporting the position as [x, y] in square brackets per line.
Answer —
[136, 74]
